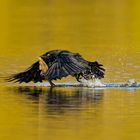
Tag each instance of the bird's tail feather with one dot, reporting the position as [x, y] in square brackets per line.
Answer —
[30, 74]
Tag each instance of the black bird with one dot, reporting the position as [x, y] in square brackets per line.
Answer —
[57, 64]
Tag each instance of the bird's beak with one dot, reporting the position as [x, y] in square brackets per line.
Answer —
[42, 65]
[41, 59]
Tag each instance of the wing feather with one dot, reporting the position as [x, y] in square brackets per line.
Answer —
[66, 64]
[30, 74]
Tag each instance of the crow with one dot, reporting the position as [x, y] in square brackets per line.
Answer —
[57, 64]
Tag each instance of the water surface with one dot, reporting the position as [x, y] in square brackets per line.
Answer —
[37, 113]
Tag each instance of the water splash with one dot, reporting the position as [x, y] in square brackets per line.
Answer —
[92, 83]
[129, 84]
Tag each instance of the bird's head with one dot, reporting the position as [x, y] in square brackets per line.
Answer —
[50, 56]
[46, 60]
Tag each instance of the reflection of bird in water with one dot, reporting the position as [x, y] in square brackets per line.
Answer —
[63, 97]
[57, 64]
[60, 101]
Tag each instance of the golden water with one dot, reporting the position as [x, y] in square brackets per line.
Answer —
[69, 113]
[104, 30]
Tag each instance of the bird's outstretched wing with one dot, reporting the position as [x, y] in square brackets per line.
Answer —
[30, 74]
[65, 64]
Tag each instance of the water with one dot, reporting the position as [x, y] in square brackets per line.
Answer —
[103, 30]
[39, 113]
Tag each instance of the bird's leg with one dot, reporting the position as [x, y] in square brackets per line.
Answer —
[51, 83]
[78, 77]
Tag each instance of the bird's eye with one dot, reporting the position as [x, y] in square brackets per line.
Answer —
[48, 54]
